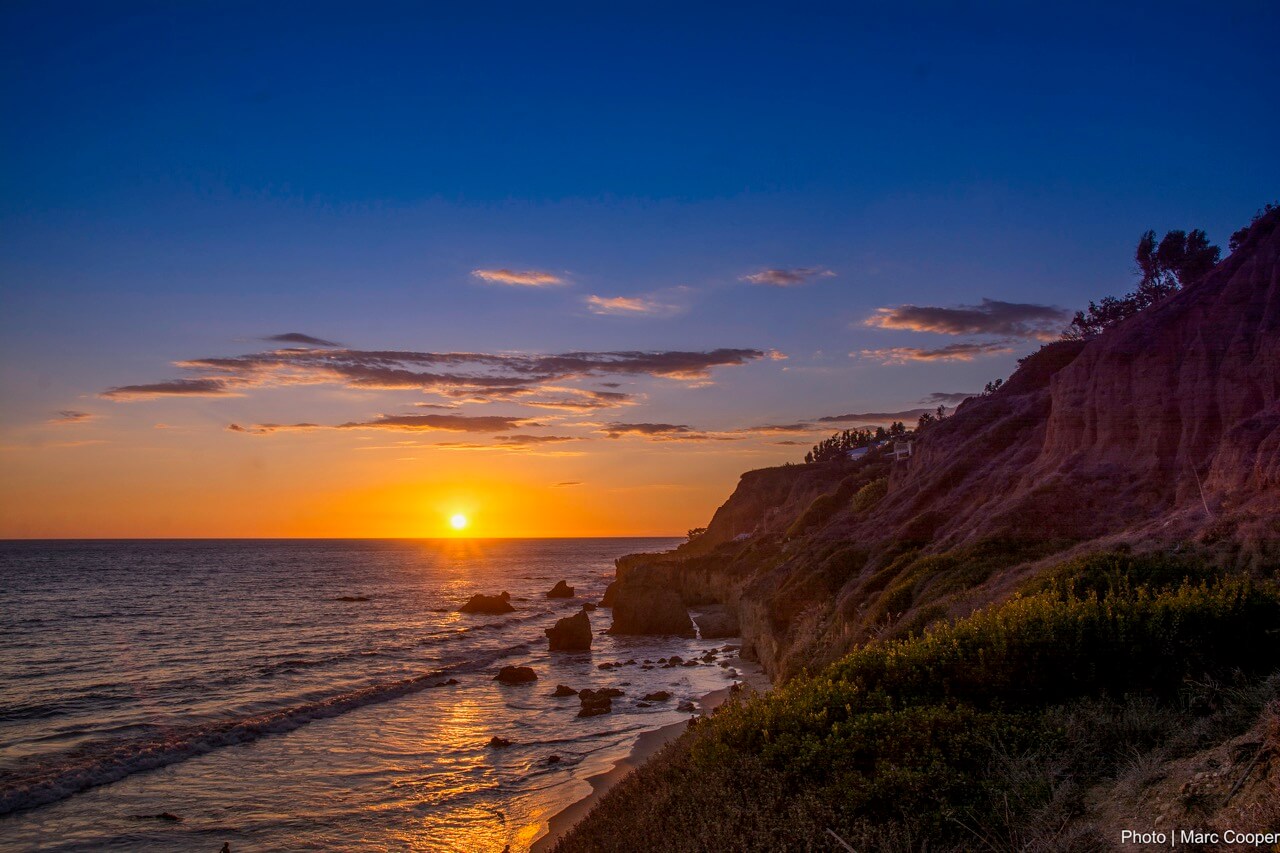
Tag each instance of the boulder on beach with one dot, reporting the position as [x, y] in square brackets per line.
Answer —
[488, 604]
[573, 633]
[560, 590]
[516, 675]
[564, 690]
[686, 707]
[659, 696]
[588, 607]
[496, 742]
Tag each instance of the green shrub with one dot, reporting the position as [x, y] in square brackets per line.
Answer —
[816, 514]
[870, 494]
[1100, 575]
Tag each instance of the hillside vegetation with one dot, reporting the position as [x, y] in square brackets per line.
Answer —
[983, 734]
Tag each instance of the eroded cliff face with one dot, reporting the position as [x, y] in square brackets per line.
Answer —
[1163, 431]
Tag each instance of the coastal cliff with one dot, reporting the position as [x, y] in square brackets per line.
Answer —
[1161, 433]
[1051, 624]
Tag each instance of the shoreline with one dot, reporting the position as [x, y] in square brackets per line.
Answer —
[646, 746]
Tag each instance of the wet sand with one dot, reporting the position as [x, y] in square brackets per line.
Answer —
[646, 746]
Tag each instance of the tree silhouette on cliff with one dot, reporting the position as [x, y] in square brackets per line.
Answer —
[1177, 261]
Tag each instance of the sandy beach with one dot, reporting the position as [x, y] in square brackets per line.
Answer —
[646, 746]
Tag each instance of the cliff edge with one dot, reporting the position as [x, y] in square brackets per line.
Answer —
[1161, 433]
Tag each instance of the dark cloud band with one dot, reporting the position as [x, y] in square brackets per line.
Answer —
[992, 317]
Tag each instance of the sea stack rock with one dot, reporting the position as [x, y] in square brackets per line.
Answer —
[560, 590]
[515, 675]
[571, 634]
[488, 604]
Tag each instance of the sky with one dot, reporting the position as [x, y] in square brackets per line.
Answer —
[352, 269]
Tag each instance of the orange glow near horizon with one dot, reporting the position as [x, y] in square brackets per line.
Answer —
[198, 483]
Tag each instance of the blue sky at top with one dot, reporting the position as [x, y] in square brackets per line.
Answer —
[179, 179]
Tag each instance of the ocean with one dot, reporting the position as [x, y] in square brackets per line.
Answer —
[281, 695]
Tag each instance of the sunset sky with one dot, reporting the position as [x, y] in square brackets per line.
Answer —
[281, 269]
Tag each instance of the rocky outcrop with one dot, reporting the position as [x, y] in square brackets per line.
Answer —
[492, 604]
[573, 633]
[516, 675]
[560, 590]
[715, 622]
[649, 602]
[766, 501]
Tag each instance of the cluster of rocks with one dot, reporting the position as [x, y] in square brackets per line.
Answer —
[597, 702]
[707, 657]
[573, 633]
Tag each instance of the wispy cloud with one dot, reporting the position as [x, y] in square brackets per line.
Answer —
[540, 445]
[787, 277]
[631, 306]
[951, 352]
[567, 483]
[518, 278]
[664, 432]
[449, 423]
[300, 338]
[874, 418]
[404, 423]
[459, 375]
[573, 399]
[991, 317]
[778, 429]
[535, 439]
[172, 388]
[69, 416]
[948, 398]
[267, 429]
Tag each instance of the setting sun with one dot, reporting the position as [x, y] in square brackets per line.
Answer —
[458, 522]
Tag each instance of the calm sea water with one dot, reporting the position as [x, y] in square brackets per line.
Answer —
[237, 687]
